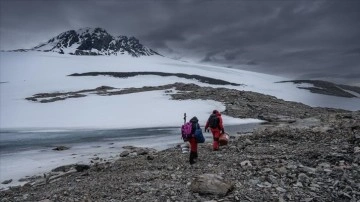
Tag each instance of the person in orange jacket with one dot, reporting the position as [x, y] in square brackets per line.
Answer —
[216, 126]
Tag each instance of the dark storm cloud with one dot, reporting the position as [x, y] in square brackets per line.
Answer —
[292, 38]
[312, 39]
[355, 51]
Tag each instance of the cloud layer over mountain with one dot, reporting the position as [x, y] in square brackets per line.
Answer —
[300, 39]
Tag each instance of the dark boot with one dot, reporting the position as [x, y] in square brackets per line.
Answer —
[195, 155]
[192, 157]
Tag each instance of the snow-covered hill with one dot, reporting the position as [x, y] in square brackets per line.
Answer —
[92, 41]
[24, 74]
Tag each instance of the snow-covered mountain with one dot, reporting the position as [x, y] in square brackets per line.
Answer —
[93, 41]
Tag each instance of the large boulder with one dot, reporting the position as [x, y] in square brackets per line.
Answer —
[134, 151]
[124, 153]
[7, 181]
[81, 167]
[276, 118]
[211, 184]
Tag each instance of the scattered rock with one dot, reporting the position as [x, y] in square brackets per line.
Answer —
[264, 185]
[303, 178]
[129, 147]
[280, 189]
[276, 118]
[61, 148]
[64, 168]
[142, 151]
[254, 181]
[324, 166]
[282, 170]
[308, 169]
[307, 199]
[135, 151]
[81, 167]
[248, 142]
[132, 154]
[298, 184]
[246, 164]
[124, 153]
[7, 181]
[211, 184]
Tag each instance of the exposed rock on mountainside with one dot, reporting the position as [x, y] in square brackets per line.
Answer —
[328, 88]
[247, 104]
[61, 148]
[199, 78]
[90, 41]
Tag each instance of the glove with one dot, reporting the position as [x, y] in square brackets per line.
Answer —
[222, 131]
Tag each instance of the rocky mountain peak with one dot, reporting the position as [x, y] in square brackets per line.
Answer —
[93, 41]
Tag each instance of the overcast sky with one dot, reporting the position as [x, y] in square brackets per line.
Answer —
[300, 39]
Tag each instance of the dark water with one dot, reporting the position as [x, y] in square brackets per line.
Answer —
[22, 140]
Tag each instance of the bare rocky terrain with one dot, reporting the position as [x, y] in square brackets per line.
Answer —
[328, 88]
[300, 154]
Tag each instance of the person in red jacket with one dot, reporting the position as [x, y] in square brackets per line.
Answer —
[216, 126]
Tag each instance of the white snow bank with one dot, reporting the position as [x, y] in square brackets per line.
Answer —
[138, 110]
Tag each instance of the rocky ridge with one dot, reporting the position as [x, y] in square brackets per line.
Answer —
[301, 154]
[328, 88]
[240, 104]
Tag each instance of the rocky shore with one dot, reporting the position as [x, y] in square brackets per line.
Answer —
[301, 154]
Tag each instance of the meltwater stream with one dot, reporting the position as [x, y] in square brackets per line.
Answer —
[28, 152]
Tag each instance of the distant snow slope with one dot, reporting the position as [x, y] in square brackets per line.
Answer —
[23, 74]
